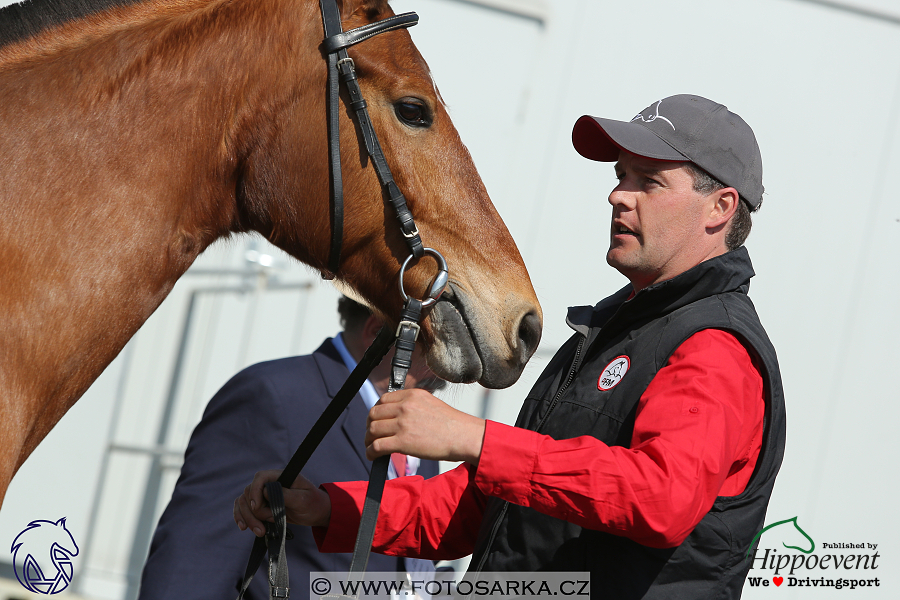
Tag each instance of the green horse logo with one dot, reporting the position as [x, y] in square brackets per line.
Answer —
[812, 544]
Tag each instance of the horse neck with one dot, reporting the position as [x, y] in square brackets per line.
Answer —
[127, 137]
[193, 87]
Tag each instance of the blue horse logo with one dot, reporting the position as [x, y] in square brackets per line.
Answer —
[42, 556]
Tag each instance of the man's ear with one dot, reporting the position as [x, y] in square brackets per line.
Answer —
[370, 329]
[725, 203]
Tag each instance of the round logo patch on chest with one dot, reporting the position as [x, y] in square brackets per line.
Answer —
[613, 373]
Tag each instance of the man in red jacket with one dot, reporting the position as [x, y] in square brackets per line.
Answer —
[647, 450]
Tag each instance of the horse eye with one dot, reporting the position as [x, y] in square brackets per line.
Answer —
[413, 113]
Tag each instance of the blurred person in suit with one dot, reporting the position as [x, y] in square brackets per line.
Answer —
[257, 420]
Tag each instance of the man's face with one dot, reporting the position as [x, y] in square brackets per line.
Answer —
[659, 223]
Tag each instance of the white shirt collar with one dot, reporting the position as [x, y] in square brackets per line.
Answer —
[368, 393]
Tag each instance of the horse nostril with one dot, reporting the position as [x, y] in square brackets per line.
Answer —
[530, 333]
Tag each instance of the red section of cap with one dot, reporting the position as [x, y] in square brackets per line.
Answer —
[591, 141]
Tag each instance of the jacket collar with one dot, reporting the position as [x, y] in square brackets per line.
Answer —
[353, 422]
[729, 272]
[332, 367]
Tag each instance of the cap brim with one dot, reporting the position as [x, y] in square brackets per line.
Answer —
[602, 139]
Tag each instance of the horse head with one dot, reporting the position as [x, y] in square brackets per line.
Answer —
[488, 323]
[170, 125]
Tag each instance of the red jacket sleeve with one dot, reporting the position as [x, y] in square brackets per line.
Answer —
[435, 518]
[697, 435]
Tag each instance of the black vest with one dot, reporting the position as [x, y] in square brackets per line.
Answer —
[565, 402]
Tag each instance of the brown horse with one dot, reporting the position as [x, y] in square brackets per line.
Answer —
[136, 136]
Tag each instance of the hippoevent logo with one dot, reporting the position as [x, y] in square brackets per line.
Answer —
[811, 566]
[42, 556]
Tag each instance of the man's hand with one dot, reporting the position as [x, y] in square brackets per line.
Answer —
[415, 422]
[305, 504]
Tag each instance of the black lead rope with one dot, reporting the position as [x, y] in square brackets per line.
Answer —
[371, 358]
[404, 340]
[404, 347]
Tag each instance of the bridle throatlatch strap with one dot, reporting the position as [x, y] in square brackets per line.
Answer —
[342, 68]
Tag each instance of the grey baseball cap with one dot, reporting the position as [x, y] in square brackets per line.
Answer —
[681, 128]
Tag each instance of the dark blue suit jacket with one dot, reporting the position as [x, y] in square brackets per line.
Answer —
[255, 422]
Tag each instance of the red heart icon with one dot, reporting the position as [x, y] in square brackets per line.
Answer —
[778, 580]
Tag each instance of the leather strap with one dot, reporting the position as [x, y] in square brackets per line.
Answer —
[275, 537]
[407, 332]
[331, 21]
[338, 41]
[341, 67]
[329, 416]
[370, 138]
[366, 533]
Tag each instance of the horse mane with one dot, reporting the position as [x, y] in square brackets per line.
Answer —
[28, 18]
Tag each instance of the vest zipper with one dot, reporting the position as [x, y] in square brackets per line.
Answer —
[575, 364]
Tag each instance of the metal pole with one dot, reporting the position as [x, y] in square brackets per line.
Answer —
[87, 546]
[146, 521]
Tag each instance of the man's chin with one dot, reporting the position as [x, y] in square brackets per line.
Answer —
[631, 269]
[618, 260]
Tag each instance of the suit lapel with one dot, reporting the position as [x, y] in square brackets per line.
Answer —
[353, 421]
[354, 428]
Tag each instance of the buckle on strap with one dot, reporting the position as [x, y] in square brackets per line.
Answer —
[408, 325]
[348, 61]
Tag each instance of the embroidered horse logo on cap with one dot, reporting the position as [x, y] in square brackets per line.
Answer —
[654, 116]
[613, 373]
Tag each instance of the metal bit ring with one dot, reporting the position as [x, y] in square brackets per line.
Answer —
[437, 286]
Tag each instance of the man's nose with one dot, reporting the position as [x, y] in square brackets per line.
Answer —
[621, 198]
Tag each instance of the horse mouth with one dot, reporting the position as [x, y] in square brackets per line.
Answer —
[457, 358]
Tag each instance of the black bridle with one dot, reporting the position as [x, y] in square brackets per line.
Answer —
[342, 69]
